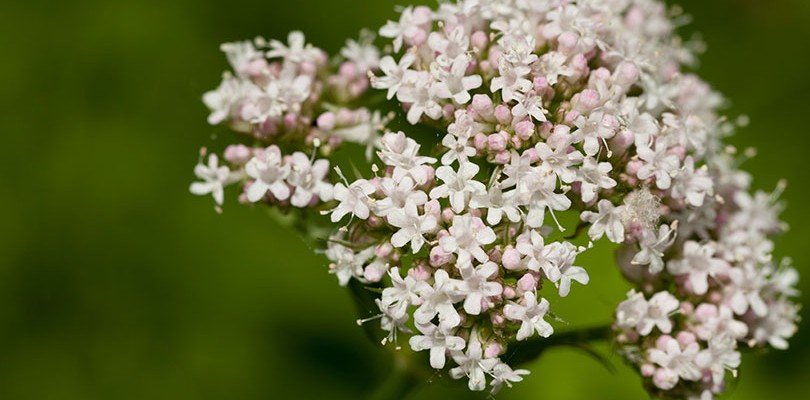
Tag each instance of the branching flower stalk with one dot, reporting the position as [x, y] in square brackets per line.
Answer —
[535, 110]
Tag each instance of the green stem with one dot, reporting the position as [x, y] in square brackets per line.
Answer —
[529, 350]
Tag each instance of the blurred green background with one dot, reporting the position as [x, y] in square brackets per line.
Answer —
[116, 283]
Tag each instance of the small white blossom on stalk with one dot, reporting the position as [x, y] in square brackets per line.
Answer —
[457, 139]
[222, 101]
[715, 320]
[531, 244]
[692, 184]
[403, 293]
[412, 226]
[354, 199]
[530, 314]
[607, 221]
[597, 127]
[459, 186]
[497, 204]
[653, 247]
[298, 51]
[468, 235]
[502, 374]
[658, 163]
[419, 91]
[638, 313]
[699, 263]
[438, 343]
[452, 81]
[412, 24]
[402, 153]
[675, 363]
[778, 325]
[538, 192]
[476, 286]
[559, 266]
[721, 355]
[438, 300]
[308, 180]
[346, 263]
[594, 176]
[396, 194]
[744, 291]
[561, 160]
[529, 104]
[215, 178]
[394, 73]
[362, 53]
[472, 364]
[269, 173]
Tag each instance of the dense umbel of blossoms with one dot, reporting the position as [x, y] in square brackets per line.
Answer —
[542, 108]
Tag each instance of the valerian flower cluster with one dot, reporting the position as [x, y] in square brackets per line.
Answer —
[541, 108]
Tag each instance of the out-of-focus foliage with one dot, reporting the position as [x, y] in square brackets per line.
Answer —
[115, 283]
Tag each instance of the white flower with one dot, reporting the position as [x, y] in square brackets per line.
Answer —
[362, 53]
[308, 180]
[412, 226]
[345, 262]
[597, 127]
[458, 186]
[558, 266]
[394, 73]
[502, 374]
[531, 315]
[529, 104]
[497, 204]
[396, 194]
[438, 300]
[472, 364]
[467, 237]
[476, 286]
[721, 355]
[778, 325]
[438, 343]
[240, 55]
[659, 163]
[402, 153]
[422, 94]
[744, 291]
[716, 320]
[594, 176]
[225, 98]
[403, 293]
[531, 245]
[699, 263]
[561, 160]
[269, 173]
[653, 247]
[511, 81]
[452, 82]
[692, 185]
[452, 45]
[643, 315]
[297, 52]
[214, 177]
[538, 192]
[353, 199]
[608, 220]
[412, 23]
[553, 65]
[676, 363]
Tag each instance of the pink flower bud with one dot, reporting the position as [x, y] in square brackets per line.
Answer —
[686, 338]
[493, 350]
[524, 129]
[308, 68]
[508, 292]
[647, 370]
[480, 142]
[633, 166]
[326, 121]
[585, 101]
[661, 342]
[479, 40]
[567, 42]
[527, 283]
[439, 257]
[503, 114]
[626, 75]
[348, 70]
[502, 158]
[497, 141]
[237, 154]
[531, 155]
[374, 272]
[448, 214]
[497, 319]
[511, 258]
[419, 272]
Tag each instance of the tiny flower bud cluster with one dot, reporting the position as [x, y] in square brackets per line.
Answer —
[542, 109]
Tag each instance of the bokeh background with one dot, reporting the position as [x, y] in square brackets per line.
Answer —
[116, 283]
